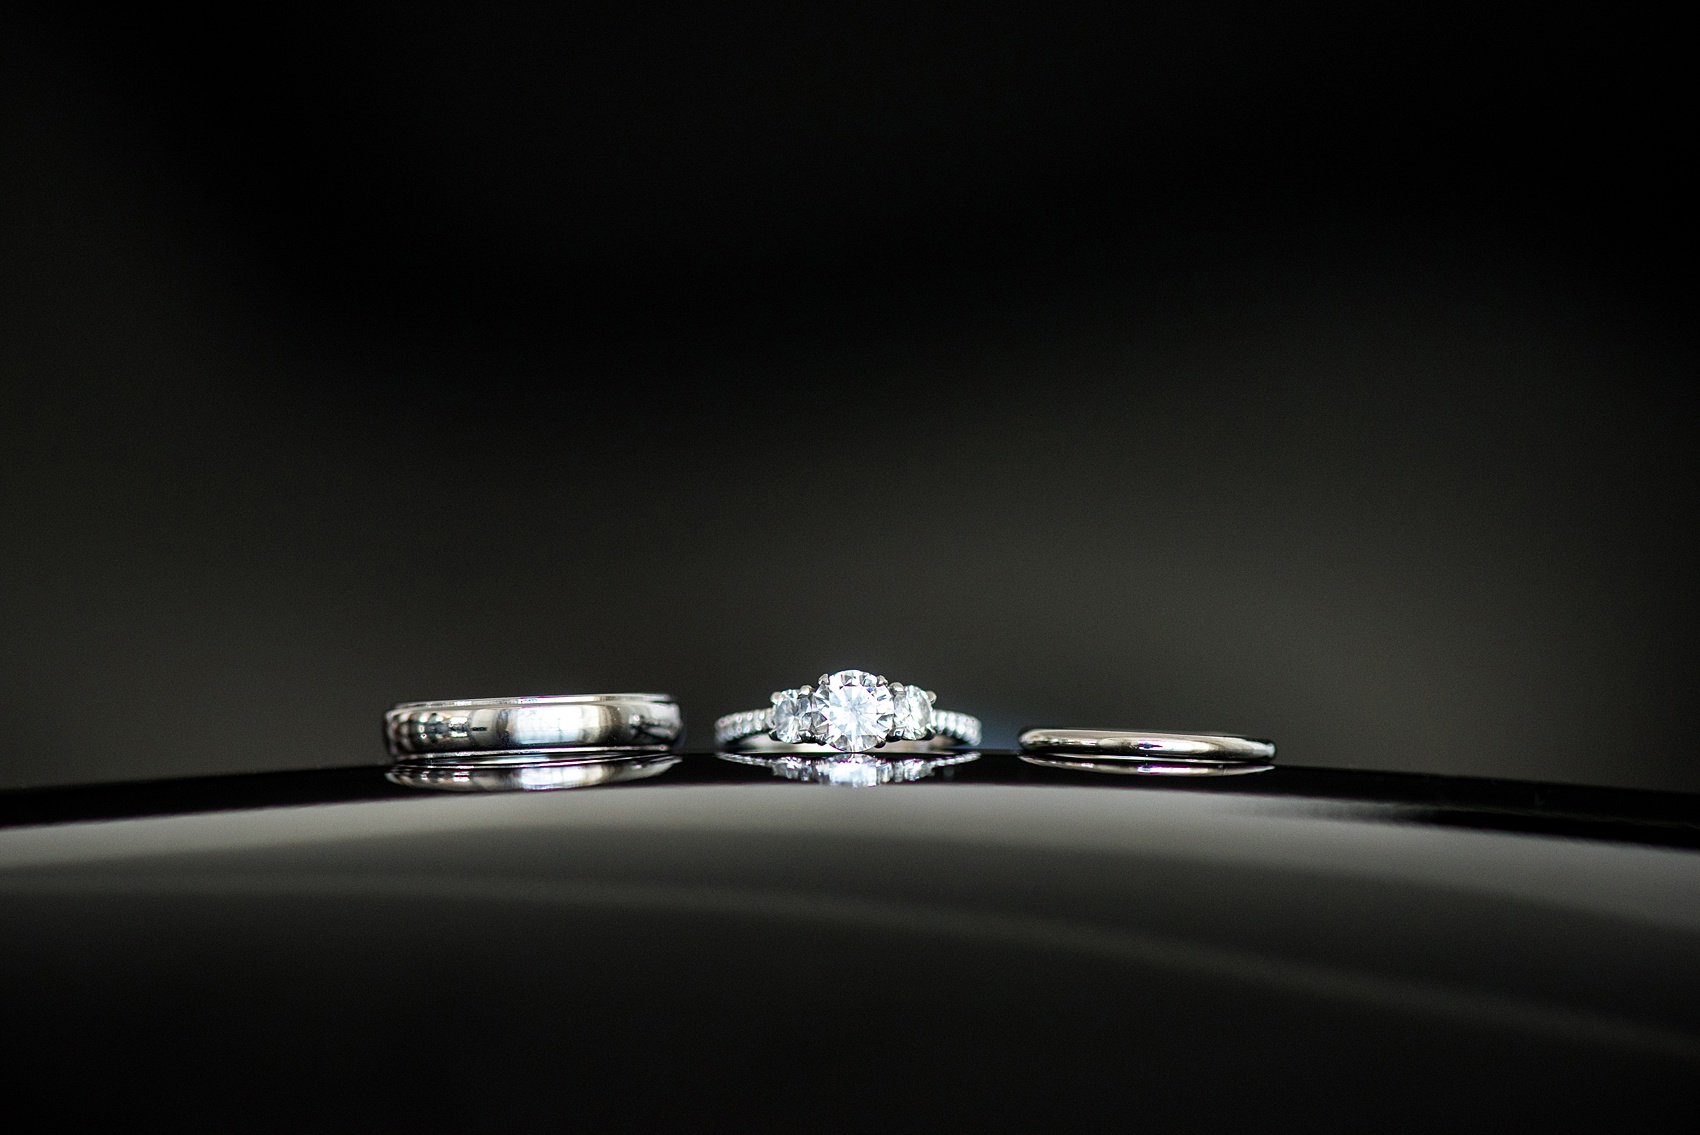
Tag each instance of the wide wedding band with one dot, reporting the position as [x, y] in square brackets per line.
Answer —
[1147, 744]
[514, 730]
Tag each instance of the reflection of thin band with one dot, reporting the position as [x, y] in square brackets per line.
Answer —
[517, 729]
[1115, 743]
[1146, 766]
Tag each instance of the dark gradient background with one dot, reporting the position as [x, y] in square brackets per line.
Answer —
[1319, 374]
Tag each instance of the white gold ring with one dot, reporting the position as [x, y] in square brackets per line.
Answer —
[851, 711]
[1147, 744]
[1146, 753]
[515, 730]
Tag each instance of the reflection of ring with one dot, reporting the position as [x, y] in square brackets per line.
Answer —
[856, 770]
[851, 711]
[1127, 743]
[532, 776]
[507, 730]
[1145, 766]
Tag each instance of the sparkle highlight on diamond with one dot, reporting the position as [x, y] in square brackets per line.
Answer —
[914, 717]
[854, 710]
[792, 717]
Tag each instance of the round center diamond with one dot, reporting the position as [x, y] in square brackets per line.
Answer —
[853, 710]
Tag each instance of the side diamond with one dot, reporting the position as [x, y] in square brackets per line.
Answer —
[914, 720]
[792, 717]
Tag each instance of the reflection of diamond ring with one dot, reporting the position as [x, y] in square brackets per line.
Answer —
[853, 712]
[853, 770]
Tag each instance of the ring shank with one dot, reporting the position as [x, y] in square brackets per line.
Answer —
[747, 731]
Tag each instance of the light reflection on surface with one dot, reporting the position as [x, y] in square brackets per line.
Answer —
[851, 770]
[1150, 767]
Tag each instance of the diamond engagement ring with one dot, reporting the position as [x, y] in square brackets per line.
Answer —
[851, 711]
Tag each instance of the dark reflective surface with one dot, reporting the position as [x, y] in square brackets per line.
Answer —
[1656, 818]
[998, 946]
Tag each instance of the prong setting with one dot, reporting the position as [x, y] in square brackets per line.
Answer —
[853, 711]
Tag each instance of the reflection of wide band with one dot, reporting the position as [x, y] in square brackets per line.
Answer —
[520, 728]
[1146, 744]
[537, 775]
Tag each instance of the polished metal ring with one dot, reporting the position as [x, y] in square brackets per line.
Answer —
[851, 711]
[1143, 745]
[516, 730]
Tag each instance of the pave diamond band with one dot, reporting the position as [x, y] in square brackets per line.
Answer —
[851, 711]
